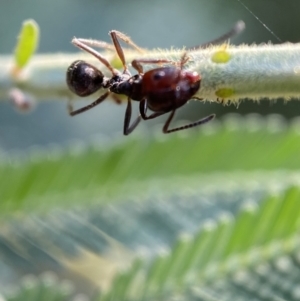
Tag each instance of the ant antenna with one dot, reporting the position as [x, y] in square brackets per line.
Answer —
[237, 29]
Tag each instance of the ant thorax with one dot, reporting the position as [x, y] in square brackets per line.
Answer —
[131, 87]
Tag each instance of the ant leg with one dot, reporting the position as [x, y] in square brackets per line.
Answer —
[116, 99]
[88, 107]
[104, 45]
[184, 59]
[137, 64]
[78, 43]
[119, 50]
[119, 35]
[190, 125]
[143, 110]
[127, 127]
[97, 43]
[115, 36]
[237, 29]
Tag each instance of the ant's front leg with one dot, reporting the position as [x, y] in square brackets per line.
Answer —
[127, 129]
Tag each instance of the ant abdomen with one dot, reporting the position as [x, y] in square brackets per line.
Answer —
[84, 79]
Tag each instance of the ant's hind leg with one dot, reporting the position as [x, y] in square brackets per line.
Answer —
[190, 125]
[127, 127]
[88, 107]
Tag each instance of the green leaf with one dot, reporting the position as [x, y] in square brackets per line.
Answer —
[27, 43]
[45, 287]
[199, 215]
[66, 177]
[205, 260]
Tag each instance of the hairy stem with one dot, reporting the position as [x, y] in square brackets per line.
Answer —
[229, 73]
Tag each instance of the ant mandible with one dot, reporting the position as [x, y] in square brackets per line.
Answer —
[162, 89]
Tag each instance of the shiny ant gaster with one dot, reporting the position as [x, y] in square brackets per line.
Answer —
[162, 89]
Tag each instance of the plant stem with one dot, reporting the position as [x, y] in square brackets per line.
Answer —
[228, 72]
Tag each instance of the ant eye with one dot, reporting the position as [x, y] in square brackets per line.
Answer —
[84, 79]
[158, 75]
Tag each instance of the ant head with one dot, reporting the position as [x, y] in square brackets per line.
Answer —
[84, 79]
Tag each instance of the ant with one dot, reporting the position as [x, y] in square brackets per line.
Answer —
[162, 90]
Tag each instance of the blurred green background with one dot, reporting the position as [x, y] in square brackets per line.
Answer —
[156, 23]
[171, 186]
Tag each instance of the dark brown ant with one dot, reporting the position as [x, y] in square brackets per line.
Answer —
[162, 89]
